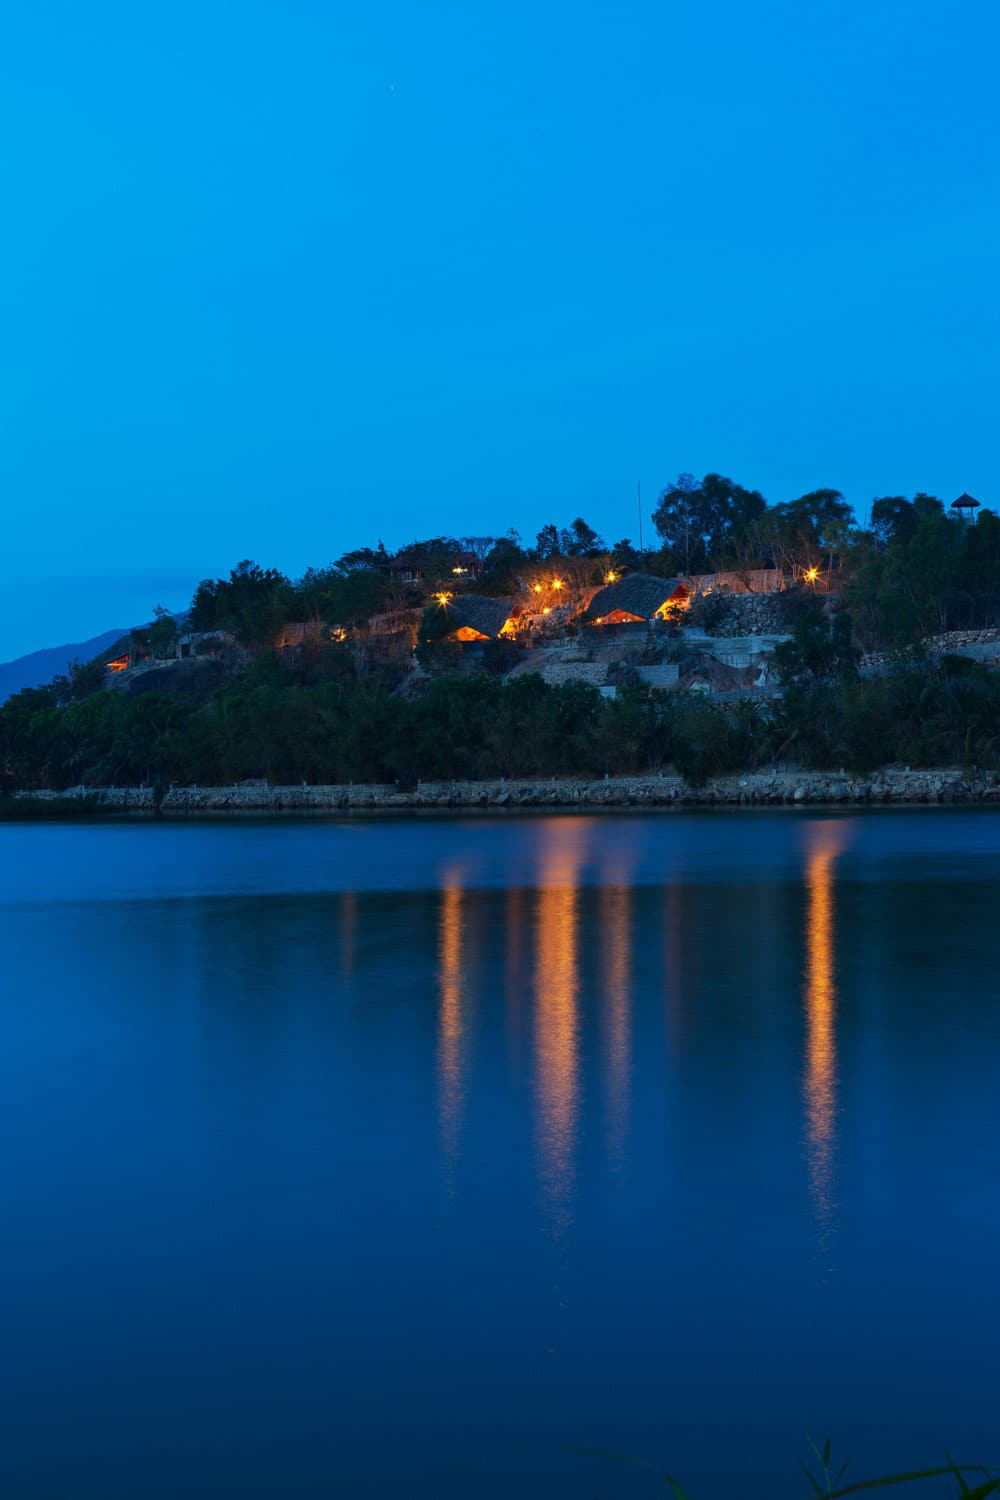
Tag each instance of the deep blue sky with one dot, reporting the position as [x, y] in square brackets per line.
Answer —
[282, 278]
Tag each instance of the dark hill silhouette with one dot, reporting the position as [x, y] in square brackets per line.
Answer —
[39, 667]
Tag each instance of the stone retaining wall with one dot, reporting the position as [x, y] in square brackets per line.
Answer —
[774, 788]
[978, 645]
[666, 675]
[747, 614]
[558, 673]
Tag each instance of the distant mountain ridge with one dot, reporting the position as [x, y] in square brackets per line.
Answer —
[39, 667]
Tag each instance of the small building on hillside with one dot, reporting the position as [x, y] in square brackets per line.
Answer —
[297, 633]
[395, 623]
[405, 567]
[965, 507]
[204, 643]
[126, 653]
[477, 617]
[637, 598]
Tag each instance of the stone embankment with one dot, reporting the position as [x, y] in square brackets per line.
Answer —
[744, 614]
[978, 645]
[765, 788]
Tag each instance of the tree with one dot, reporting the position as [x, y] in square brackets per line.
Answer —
[800, 528]
[818, 651]
[547, 542]
[361, 557]
[432, 550]
[703, 522]
[931, 570]
[894, 519]
[981, 566]
[479, 546]
[581, 540]
[861, 594]
[205, 610]
[503, 566]
[927, 505]
[679, 518]
[85, 678]
[253, 603]
[624, 557]
[341, 597]
[162, 633]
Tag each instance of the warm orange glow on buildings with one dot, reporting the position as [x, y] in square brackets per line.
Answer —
[120, 664]
[676, 604]
[619, 617]
[466, 633]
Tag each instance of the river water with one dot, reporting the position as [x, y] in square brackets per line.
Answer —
[385, 1158]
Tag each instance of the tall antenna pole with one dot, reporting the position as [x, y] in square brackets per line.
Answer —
[638, 497]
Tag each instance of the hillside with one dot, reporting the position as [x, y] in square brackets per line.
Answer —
[755, 636]
[39, 667]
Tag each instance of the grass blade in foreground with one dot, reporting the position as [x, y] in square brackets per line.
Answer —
[989, 1486]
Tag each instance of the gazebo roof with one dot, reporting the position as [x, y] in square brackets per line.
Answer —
[965, 502]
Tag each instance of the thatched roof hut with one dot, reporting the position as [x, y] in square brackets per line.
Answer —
[297, 633]
[639, 596]
[477, 617]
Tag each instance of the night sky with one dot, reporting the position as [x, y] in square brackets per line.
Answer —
[280, 279]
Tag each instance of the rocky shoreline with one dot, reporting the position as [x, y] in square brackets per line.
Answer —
[765, 788]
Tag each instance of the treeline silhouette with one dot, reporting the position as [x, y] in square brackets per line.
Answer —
[291, 722]
[910, 570]
[331, 714]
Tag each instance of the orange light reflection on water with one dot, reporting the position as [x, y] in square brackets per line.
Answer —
[557, 1038]
[615, 925]
[514, 924]
[673, 967]
[451, 1018]
[824, 843]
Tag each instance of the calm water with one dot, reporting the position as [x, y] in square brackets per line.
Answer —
[389, 1158]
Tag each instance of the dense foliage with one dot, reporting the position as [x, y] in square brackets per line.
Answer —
[918, 572]
[323, 722]
[330, 712]
[912, 571]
